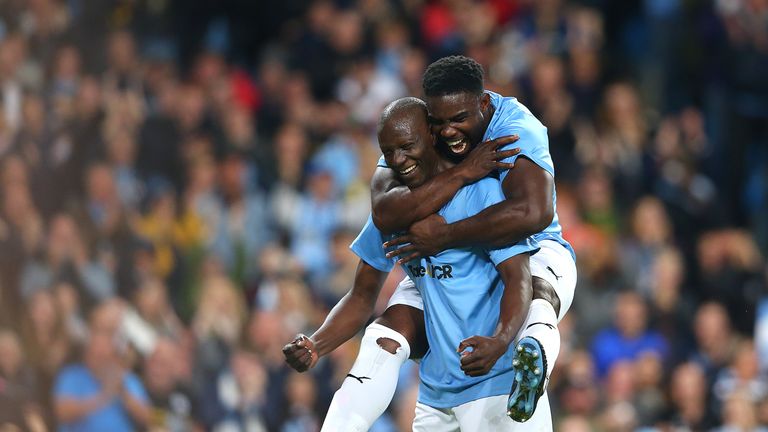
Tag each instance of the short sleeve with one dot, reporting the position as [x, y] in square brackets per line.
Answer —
[368, 247]
[135, 388]
[533, 143]
[527, 245]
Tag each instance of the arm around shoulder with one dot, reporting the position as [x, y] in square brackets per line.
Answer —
[395, 206]
[526, 210]
[530, 187]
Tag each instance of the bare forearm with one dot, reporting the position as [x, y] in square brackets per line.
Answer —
[500, 225]
[351, 312]
[398, 208]
[345, 319]
[528, 209]
[516, 299]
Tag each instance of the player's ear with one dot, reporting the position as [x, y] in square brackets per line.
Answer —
[485, 101]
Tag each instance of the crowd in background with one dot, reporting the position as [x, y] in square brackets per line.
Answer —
[180, 181]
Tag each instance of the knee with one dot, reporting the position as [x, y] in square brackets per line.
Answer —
[405, 320]
[543, 290]
[388, 344]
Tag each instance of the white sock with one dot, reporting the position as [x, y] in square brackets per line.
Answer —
[541, 324]
[365, 395]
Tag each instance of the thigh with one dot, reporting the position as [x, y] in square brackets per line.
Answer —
[429, 419]
[486, 414]
[405, 315]
[490, 414]
[554, 264]
[407, 294]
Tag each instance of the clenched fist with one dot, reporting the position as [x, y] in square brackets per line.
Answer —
[300, 354]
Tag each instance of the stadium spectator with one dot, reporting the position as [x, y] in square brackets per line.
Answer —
[18, 388]
[629, 337]
[98, 393]
[168, 386]
[147, 146]
[688, 399]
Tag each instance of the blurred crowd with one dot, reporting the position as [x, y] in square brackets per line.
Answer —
[180, 180]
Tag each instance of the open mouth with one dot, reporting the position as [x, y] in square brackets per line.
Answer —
[457, 146]
[406, 171]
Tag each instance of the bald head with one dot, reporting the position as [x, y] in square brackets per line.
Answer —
[402, 110]
[406, 141]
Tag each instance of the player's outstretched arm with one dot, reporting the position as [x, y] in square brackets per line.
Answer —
[527, 210]
[345, 319]
[395, 206]
[518, 294]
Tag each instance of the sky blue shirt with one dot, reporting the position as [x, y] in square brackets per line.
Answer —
[510, 118]
[77, 382]
[462, 292]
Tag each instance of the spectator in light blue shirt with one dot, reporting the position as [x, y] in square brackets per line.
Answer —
[98, 394]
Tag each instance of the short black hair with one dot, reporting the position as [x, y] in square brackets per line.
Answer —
[453, 74]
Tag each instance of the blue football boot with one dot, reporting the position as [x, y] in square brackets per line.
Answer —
[530, 367]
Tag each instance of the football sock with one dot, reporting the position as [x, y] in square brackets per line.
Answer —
[541, 324]
[369, 387]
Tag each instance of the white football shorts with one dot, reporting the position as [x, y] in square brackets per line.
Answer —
[553, 263]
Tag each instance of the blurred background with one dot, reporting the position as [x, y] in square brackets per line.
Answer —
[180, 180]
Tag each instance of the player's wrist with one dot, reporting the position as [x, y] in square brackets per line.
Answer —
[504, 339]
[443, 237]
[314, 353]
[464, 172]
[314, 357]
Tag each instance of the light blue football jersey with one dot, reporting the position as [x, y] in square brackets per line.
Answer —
[462, 292]
[510, 118]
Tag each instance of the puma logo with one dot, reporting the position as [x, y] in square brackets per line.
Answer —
[553, 272]
[538, 323]
[358, 378]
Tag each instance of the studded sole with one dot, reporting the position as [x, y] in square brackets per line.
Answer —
[530, 367]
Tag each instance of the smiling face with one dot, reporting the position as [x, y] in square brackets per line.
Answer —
[408, 147]
[459, 120]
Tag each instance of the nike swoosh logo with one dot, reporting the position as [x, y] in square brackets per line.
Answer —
[358, 378]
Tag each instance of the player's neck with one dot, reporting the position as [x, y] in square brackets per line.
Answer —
[488, 115]
[443, 164]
